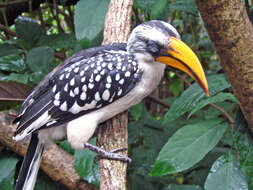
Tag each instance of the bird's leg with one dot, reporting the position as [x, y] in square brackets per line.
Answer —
[112, 155]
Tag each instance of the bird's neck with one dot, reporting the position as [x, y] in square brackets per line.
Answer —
[152, 72]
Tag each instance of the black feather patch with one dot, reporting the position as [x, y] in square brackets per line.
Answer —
[34, 152]
[87, 81]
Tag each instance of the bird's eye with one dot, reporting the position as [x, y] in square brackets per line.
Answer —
[153, 48]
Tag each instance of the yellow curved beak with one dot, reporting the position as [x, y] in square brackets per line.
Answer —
[180, 56]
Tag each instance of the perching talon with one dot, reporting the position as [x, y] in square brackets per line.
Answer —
[112, 155]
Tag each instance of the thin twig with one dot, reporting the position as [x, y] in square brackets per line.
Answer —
[3, 37]
[56, 16]
[60, 56]
[42, 20]
[226, 114]
[184, 79]
[30, 3]
[67, 18]
[12, 99]
[71, 18]
[7, 30]
[159, 101]
[11, 3]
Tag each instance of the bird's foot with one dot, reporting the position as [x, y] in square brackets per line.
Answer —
[112, 155]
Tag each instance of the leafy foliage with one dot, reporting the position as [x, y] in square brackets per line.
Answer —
[186, 146]
[244, 146]
[225, 174]
[28, 30]
[7, 167]
[40, 62]
[191, 97]
[89, 20]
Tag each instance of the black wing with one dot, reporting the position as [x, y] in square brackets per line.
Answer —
[87, 81]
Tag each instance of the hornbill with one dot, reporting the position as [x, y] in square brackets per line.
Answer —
[94, 85]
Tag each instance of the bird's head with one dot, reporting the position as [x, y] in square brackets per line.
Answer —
[161, 41]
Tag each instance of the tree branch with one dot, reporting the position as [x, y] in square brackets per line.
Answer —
[159, 101]
[229, 118]
[8, 31]
[56, 163]
[114, 133]
[11, 3]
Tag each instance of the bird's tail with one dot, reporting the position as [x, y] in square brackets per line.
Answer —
[30, 166]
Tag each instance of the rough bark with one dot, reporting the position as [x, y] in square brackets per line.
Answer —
[56, 163]
[231, 32]
[113, 134]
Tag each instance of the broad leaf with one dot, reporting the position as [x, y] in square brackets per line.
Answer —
[176, 86]
[12, 63]
[41, 59]
[36, 77]
[188, 146]
[145, 5]
[66, 146]
[7, 168]
[89, 20]
[225, 174]
[214, 99]
[61, 40]
[188, 6]
[182, 187]
[136, 111]
[29, 30]
[158, 8]
[8, 49]
[43, 182]
[193, 95]
[85, 166]
[15, 77]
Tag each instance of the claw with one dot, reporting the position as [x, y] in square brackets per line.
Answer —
[112, 155]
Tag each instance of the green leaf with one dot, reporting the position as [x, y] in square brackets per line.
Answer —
[41, 59]
[43, 182]
[61, 40]
[7, 49]
[12, 63]
[7, 168]
[182, 187]
[188, 146]
[85, 166]
[136, 111]
[66, 146]
[225, 174]
[144, 5]
[188, 6]
[243, 140]
[214, 99]
[158, 8]
[21, 78]
[89, 20]
[29, 30]
[191, 97]
[176, 86]
[36, 77]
